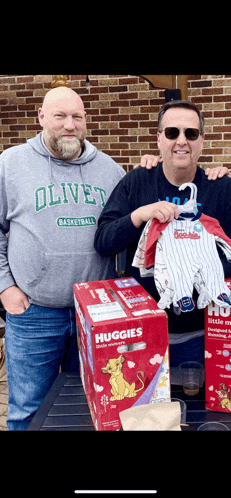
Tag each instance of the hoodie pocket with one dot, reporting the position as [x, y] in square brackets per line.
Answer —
[53, 286]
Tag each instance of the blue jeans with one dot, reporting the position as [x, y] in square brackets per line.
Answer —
[37, 343]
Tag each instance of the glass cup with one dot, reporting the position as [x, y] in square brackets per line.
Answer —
[182, 408]
[191, 372]
[213, 426]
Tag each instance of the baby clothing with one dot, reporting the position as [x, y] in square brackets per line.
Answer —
[182, 254]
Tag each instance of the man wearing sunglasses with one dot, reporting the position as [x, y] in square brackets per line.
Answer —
[143, 194]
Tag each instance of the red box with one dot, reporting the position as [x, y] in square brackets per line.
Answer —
[123, 348]
[218, 357]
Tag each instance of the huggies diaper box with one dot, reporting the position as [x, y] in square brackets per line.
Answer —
[123, 348]
[218, 357]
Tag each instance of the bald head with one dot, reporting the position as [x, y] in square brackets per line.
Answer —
[62, 93]
[63, 119]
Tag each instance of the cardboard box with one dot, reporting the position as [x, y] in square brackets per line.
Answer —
[123, 347]
[218, 357]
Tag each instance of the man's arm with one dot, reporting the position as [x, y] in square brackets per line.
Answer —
[119, 224]
[12, 298]
[6, 277]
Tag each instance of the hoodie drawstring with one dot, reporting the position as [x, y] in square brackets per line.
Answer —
[50, 168]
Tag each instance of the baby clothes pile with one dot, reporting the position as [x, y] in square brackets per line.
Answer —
[182, 254]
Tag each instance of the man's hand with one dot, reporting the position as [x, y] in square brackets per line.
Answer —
[218, 172]
[163, 211]
[148, 161]
[14, 300]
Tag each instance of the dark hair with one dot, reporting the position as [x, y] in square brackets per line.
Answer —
[180, 103]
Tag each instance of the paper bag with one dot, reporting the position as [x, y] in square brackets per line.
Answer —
[160, 416]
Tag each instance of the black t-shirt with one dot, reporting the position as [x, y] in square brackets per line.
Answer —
[140, 187]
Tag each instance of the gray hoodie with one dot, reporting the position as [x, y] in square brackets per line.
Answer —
[50, 208]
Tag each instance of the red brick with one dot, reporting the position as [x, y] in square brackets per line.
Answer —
[34, 86]
[92, 126]
[8, 121]
[26, 107]
[121, 117]
[110, 111]
[23, 79]
[222, 98]
[24, 93]
[129, 124]
[17, 87]
[34, 127]
[78, 77]
[113, 152]
[147, 138]
[222, 114]
[207, 152]
[201, 99]
[10, 108]
[99, 89]
[212, 91]
[140, 116]
[118, 88]
[139, 102]
[99, 132]
[17, 140]
[147, 124]
[16, 114]
[128, 139]
[120, 103]
[120, 146]
[121, 160]
[93, 112]
[34, 100]
[10, 134]
[205, 159]
[128, 95]
[194, 77]
[213, 136]
[100, 118]
[118, 131]
[198, 84]
[17, 127]
[128, 81]
[222, 128]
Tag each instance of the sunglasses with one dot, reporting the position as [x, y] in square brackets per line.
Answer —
[190, 133]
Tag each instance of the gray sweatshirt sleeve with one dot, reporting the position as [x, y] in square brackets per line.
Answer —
[6, 278]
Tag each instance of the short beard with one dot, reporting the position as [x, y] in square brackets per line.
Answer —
[64, 147]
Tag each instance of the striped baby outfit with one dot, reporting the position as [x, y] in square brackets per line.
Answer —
[182, 254]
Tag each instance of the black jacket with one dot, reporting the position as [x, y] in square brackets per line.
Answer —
[140, 187]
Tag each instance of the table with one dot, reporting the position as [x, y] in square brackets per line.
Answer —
[196, 413]
[65, 408]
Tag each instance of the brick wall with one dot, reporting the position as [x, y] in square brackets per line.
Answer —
[212, 95]
[122, 113]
